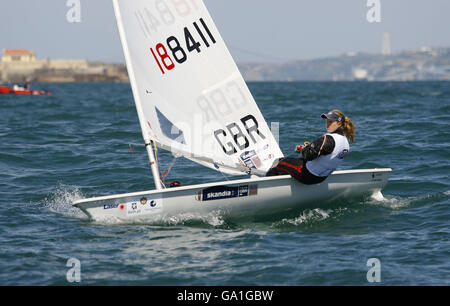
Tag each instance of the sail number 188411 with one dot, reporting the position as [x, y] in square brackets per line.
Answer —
[165, 61]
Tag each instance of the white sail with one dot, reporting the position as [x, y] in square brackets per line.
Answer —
[190, 96]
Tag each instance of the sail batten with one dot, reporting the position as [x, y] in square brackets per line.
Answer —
[190, 95]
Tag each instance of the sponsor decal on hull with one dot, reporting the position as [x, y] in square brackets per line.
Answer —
[110, 206]
[377, 177]
[144, 206]
[114, 205]
[226, 192]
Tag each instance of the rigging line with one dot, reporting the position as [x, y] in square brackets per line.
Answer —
[136, 144]
[131, 144]
[172, 163]
[162, 184]
[224, 175]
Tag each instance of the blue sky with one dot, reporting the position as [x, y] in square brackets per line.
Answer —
[254, 30]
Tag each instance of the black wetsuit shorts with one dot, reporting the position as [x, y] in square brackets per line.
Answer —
[297, 169]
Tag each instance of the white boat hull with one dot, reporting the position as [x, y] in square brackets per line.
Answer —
[253, 197]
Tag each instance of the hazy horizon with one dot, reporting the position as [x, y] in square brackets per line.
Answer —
[259, 30]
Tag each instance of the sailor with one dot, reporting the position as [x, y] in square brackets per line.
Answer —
[320, 158]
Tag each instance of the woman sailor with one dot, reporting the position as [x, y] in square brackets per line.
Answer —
[320, 158]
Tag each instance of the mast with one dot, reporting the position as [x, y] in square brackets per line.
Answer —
[148, 141]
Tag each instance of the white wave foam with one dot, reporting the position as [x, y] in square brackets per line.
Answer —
[309, 216]
[378, 196]
[61, 202]
[392, 202]
[214, 219]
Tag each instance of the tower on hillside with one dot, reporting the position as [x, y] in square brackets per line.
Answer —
[386, 44]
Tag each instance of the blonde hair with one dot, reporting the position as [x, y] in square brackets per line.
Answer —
[347, 126]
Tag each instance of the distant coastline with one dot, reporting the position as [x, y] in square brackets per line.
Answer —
[18, 65]
[413, 65]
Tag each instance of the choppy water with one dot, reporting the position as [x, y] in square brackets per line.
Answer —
[74, 144]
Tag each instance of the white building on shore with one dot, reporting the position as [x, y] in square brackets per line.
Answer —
[20, 65]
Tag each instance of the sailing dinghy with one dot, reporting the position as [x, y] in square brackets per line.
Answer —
[192, 101]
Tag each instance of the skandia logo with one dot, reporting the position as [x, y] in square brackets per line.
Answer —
[212, 195]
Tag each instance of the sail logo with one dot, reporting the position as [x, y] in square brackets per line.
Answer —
[168, 128]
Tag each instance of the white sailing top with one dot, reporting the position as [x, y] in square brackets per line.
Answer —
[325, 164]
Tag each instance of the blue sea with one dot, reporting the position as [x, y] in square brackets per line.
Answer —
[75, 144]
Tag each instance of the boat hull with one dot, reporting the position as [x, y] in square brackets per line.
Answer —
[253, 197]
[9, 90]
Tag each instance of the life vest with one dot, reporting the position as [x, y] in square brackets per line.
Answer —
[325, 164]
